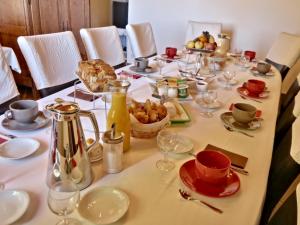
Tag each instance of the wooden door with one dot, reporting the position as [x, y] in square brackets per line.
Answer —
[77, 16]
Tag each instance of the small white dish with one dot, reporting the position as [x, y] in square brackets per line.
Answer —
[104, 205]
[18, 148]
[13, 205]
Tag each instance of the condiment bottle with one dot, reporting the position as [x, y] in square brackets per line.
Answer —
[119, 115]
[112, 151]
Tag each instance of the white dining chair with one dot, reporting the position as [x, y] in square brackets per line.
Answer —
[52, 60]
[195, 29]
[284, 52]
[104, 43]
[141, 40]
[8, 88]
[290, 77]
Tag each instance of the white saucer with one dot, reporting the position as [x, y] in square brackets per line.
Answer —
[18, 148]
[147, 70]
[13, 205]
[104, 205]
[227, 119]
[39, 122]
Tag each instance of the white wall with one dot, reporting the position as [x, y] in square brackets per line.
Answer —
[253, 24]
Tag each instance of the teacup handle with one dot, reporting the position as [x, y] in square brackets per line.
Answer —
[8, 114]
[92, 117]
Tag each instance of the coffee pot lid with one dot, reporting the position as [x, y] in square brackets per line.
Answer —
[63, 107]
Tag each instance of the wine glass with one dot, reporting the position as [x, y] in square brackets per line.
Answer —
[160, 64]
[228, 76]
[63, 198]
[245, 61]
[166, 141]
[208, 98]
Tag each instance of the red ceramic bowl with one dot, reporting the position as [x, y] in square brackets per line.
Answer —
[212, 166]
[250, 54]
[255, 86]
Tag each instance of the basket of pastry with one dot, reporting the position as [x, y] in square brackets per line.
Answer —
[95, 75]
[147, 119]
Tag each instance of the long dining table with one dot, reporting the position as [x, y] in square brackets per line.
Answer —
[154, 196]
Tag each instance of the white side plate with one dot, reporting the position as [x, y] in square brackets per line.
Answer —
[13, 204]
[104, 205]
[18, 148]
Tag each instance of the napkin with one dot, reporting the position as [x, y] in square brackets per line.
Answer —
[83, 95]
[2, 140]
[129, 75]
[236, 159]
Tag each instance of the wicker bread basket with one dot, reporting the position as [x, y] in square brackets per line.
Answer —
[141, 130]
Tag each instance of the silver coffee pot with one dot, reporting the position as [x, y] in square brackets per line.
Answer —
[68, 156]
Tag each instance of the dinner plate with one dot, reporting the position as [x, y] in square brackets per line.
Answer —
[215, 105]
[147, 70]
[13, 205]
[227, 119]
[104, 205]
[39, 122]
[223, 81]
[244, 92]
[18, 148]
[189, 176]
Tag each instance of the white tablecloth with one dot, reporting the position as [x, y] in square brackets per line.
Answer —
[154, 197]
[11, 59]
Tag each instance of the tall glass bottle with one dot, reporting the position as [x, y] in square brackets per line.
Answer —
[119, 115]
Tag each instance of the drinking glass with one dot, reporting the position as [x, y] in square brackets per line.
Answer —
[166, 141]
[245, 61]
[160, 64]
[208, 98]
[228, 76]
[63, 198]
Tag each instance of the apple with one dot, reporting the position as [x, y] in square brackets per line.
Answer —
[211, 39]
[190, 44]
[210, 46]
[198, 45]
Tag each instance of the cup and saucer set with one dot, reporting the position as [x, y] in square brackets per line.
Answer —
[253, 88]
[210, 174]
[242, 116]
[141, 65]
[24, 115]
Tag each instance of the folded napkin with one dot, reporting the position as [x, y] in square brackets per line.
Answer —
[236, 159]
[258, 112]
[2, 140]
[129, 75]
[83, 95]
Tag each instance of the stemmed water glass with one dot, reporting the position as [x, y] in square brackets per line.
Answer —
[228, 76]
[208, 97]
[63, 198]
[166, 141]
[245, 61]
[160, 64]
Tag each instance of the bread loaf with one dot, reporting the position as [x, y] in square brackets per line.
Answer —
[96, 74]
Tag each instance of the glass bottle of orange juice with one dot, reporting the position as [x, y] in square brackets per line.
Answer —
[119, 115]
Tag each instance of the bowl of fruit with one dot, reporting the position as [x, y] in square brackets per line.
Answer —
[204, 43]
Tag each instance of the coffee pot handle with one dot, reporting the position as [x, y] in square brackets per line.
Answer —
[95, 126]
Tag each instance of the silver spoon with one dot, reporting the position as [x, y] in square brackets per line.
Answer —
[235, 130]
[187, 196]
[243, 97]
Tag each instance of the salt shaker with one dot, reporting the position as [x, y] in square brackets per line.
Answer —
[112, 151]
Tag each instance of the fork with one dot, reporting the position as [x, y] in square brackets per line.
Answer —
[187, 196]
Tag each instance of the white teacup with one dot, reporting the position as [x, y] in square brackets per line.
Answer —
[202, 86]
[23, 111]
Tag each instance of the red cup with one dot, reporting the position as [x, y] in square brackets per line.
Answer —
[250, 54]
[212, 166]
[171, 52]
[255, 86]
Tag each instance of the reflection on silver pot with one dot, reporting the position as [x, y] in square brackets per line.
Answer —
[68, 158]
